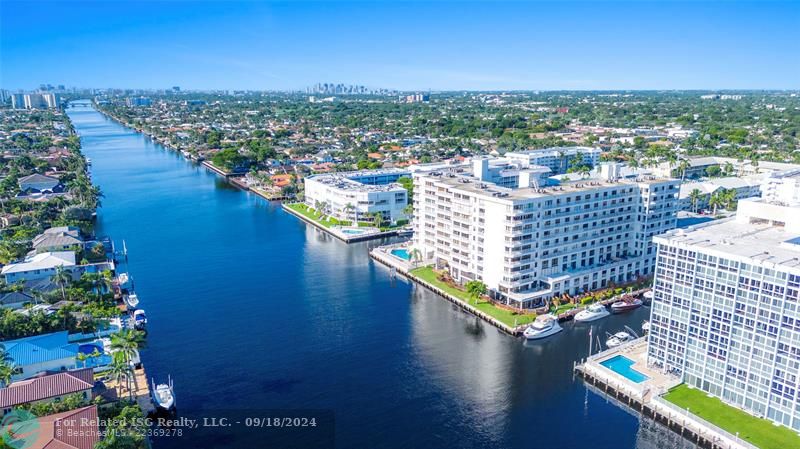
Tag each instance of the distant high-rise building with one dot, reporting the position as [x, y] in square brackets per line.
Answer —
[176, 89]
[138, 102]
[18, 101]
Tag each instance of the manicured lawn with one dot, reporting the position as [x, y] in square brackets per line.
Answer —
[314, 215]
[757, 431]
[505, 316]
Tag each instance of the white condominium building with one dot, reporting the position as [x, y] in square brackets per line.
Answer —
[535, 241]
[725, 310]
[353, 195]
[557, 159]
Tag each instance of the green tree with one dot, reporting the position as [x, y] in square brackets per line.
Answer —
[476, 289]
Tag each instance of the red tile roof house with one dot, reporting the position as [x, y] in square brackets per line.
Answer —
[75, 429]
[49, 388]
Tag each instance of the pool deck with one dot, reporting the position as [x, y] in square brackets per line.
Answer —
[337, 232]
[645, 397]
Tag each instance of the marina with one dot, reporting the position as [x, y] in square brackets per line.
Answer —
[338, 307]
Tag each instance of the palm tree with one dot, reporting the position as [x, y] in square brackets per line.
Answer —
[62, 278]
[119, 370]
[377, 219]
[350, 208]
[694, 196]
[127, 342]
[683, 165]
[715, 201]
[6, 366]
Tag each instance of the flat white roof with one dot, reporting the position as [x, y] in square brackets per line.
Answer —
[758, 243]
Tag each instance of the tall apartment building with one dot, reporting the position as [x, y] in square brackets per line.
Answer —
[531, 241]
[35, 101]
[356, 194]
[133, 102]
[725, 311]
[557, 159]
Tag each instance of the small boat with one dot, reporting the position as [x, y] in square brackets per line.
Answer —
[648, 295]
[164, 395]
[139, 319]
[591, 313]
[543, 326]
[646, 326]
[131, 300]
[406, 231]
[122, 278]
[618, 339]
[626, 304]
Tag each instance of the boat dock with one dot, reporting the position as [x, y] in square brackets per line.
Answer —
[643, 397]
[140, 390]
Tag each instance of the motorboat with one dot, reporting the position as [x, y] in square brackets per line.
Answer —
[139, 319]
[122, 278]
[131, 300]
[164, 395]
[648, 295]
[626, 304]
[591, 313]
[618, 339]
[646, 326]
[406, 231]
[543, 326]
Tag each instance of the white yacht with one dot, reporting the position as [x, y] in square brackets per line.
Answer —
[163, 395]
[543, 326]
[618, 339]
[646, 326]
[131, 300]
[648, 295]
[591, 313]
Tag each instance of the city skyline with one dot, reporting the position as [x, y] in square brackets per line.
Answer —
[408, 46]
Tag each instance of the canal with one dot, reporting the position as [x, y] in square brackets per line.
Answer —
[251, 310]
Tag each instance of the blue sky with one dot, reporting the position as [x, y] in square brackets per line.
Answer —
[402, 45]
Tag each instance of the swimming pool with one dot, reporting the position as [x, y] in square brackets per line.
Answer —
[90, 348]
[622, 366]
[352, 231]
[401, 253]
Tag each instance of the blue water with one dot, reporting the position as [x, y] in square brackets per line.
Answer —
[352, 231]
[622, 366]
[249, 308]
[401, 253]
[89, 348]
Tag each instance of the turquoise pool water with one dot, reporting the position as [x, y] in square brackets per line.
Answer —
[352, 231]
[401, 253]
[622, 366]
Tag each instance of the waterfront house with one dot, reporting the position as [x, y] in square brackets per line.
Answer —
[41, 353]
[61, 238]
[38, 266]
[74, 429]
[47, 388]
[14, 300]
[38, 183]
